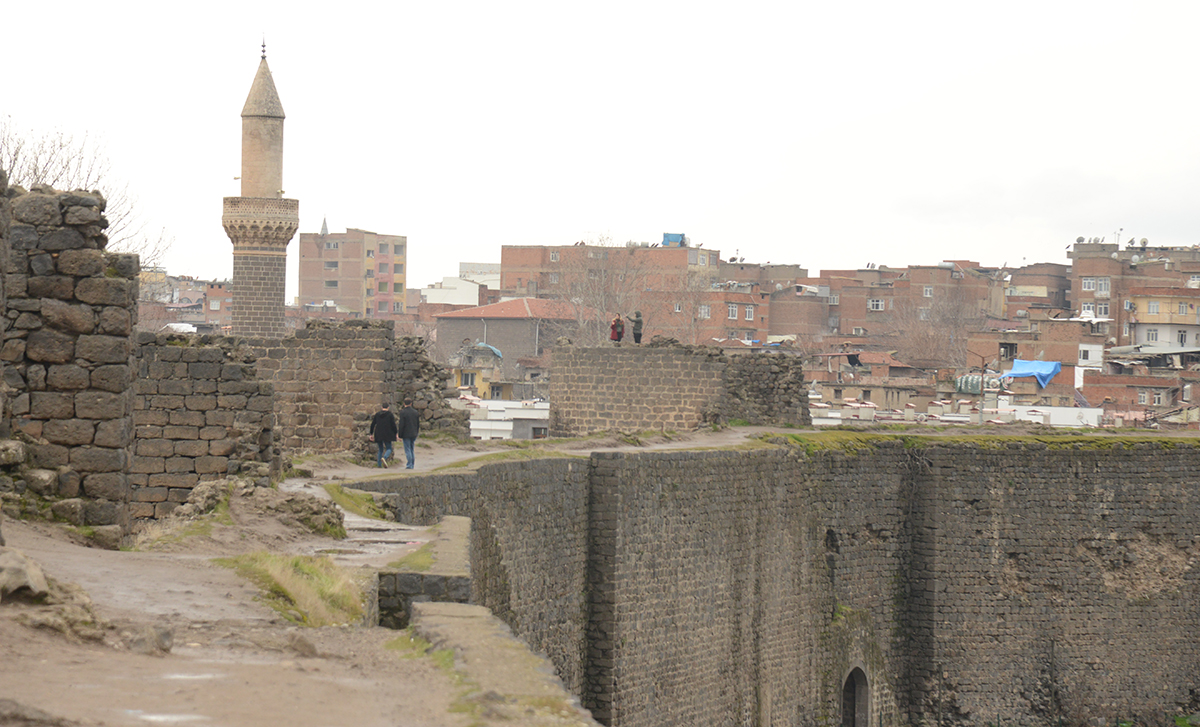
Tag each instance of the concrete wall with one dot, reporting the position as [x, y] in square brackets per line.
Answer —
[1018, 580]
[673, 387]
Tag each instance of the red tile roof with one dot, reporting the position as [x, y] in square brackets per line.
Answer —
[534, 308]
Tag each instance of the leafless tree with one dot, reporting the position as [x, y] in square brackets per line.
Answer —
[933, 331]
[64, 161]
[601, 281]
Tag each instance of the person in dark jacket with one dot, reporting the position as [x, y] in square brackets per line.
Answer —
[410, 427]
[637, 326]
[383, 434]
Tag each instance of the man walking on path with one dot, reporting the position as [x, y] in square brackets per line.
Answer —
[383, 434]
[410, 427]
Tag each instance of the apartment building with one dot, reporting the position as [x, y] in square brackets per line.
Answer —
[361, 272]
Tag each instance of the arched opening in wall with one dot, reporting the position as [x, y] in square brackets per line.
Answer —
[856, 700]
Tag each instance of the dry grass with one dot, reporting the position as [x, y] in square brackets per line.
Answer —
[305, 590]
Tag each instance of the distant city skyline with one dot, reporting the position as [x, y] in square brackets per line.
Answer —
[821, 135]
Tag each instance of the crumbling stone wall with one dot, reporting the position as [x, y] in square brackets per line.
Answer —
[330, 378]
[71, 309]
[200, 413]
[1017, 580]
[673, 387]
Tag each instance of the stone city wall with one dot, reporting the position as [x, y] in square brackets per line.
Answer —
[67, 352]
[671, 387]
[528, 550]
[200, 413]
[1017, 580]
[330, 378]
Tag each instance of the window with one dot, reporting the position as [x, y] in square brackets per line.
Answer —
[370, 292]
[1008, 351]
[1088, 309]
[398, 249]
[833, 300]
[383, 248]
[704, 260]
[397, 307]
[331, 265]
[866, 394]
[1152, 306]
[733, 311]
[837, 393]
[370, 273]
[398, 268]
[747, 335]
[1151, 334]
[397, 287]
[923, 313]
[1125, 329]
[1158, 398]
[368, 311]
[1182, 308]
[1088, 283]
[1083, 354]
[331, 283]
[1102, 286]
[214, 305]
[331, 245]
[371, 254]
[1142, 398]
[554, 256]
[928, 291]
[554, 278]
[749, 312]
[859, 331]
[541, 432]
[468, 378]
[383, 268]
[704, 312]
[679, 308]
[1102, 310]
[875, 304]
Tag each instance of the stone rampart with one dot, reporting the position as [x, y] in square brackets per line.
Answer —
[67, 352]
[920, 581]
[200, 413]
[330, 378]
[633, 388]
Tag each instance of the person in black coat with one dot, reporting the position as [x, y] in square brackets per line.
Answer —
[383, 434]
[410, 427]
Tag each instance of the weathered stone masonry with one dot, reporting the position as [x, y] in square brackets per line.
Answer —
[634, 388]
[1019, 581]
[67, 350]
[200, 413]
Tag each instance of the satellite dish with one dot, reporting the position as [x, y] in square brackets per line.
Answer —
[1134, 258]
[1113, 256]
[1079, 240]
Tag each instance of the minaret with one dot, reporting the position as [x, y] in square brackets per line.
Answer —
[260, 223]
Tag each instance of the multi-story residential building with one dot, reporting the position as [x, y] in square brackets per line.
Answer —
[1164, 317]
[1040, 288]
[604, 273]
[218, 306]
[360, 271]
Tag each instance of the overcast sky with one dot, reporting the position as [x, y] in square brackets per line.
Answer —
[824, 134]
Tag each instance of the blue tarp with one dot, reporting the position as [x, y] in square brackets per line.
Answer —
[1043, 371]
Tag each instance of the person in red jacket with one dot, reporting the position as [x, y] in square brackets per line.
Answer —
[618, 329]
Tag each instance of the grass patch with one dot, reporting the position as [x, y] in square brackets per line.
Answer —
[174, 531]
[738, 423]
[356, 501]
[303, 589]
[856, 440]
[510, 455]
[420, 560]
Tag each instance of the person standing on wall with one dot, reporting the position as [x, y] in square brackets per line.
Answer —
[410, 427]
[383, 434]
[617, 328]
[636, 319]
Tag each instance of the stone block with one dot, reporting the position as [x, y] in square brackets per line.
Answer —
[69, 431]
[147, 465]
[115, 321]
[108, 486]
[67, 377]
[51, 405]
[114, 433]
[222, 447]
[104, 349]
[151, 417]
[70, 511]
[50, 347]
[94, 404]
[174, 480]
[100, 512]
[180, 464]
[187, 418]
[50, 286]
[191, 448]
[67, 317]
[149, 494]
[81, 263]
[69, 482]
[178, 432]
[106, 291]
[114, 378]
[211, 465]
[164, 509]
[97, 459]
[37, 210]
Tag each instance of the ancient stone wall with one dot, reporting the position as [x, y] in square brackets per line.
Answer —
[671, 387]
[68, 356]
[330, 378]
[200, 413]
[961, 583]
[529, 546]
